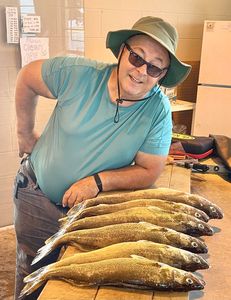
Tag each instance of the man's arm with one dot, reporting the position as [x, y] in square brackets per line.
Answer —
[28, 86]
[142, 175]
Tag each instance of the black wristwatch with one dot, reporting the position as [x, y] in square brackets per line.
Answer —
[98, 182]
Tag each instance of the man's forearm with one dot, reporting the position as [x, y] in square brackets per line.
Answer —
[128, 178]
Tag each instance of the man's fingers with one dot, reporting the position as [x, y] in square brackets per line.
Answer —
[66, 197]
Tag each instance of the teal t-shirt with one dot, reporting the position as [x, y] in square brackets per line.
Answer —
[81, 137]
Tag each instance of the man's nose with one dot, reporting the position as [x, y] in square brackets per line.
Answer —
[143, 69]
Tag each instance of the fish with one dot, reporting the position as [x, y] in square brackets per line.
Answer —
[170, 255]
[96, 238]
[102, 209]
[197, 201]
[135, 271]
[174, 220]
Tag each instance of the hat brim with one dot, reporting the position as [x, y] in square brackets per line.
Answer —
[177, 72]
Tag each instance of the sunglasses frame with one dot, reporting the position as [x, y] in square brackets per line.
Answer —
[143, 62]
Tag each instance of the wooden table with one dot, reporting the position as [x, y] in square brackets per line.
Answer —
[172, 177]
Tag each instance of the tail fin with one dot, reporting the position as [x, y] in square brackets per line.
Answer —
[55, 236]
[66, 221]
[76, 209]
[43, 251]
[34, 281]
[36, 275]
[49, 246]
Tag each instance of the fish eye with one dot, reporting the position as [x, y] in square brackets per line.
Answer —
[196, 259]
[201, 226]
[197, 215]
[213, 209]
[189, 280]
[194, 244]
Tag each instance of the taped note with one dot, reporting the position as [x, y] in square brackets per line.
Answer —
[33, 48]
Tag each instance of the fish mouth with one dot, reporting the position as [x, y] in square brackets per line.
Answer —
[200, 230]
[189, 285]
[205, 229]
[199, 263]
[216, 212]
[195, 283]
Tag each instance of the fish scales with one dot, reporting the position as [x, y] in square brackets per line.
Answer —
[211, 209]
[91, 239]
[137, 272]
[172, 256]
[109, 208]
[178, 221]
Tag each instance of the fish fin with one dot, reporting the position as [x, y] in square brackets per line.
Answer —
[142, 258]
[56, 235]
[63, 220]
[151, 226]
[76, 208]
[137, 256]
[36, 274]
[44, 251]
[33, 281]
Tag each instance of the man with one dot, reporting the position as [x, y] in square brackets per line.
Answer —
[110, 130]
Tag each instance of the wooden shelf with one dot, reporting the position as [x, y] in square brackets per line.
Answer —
[181, 105]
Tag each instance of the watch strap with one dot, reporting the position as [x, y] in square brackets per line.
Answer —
[98, 182]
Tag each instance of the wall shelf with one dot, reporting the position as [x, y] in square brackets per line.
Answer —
[181, 105]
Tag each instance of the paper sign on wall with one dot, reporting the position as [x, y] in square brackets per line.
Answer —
[31, 24]
[12, 28]
[33, 48]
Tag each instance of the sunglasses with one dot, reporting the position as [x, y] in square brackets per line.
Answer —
[138, 61]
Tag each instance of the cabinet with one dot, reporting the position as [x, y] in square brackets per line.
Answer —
[182, 113]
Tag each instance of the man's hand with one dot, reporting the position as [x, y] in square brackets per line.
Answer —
[26, 143]
[81, 190]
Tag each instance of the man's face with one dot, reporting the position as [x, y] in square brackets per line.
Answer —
[135, 82]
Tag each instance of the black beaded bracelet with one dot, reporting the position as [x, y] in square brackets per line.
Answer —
[98, 182]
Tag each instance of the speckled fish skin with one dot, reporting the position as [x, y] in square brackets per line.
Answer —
[136, 271]
[172, 256]
[178, 221]
[211, 209]
[91, 239]
[102, 209]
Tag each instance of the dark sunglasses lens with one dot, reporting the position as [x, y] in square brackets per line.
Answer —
[138, 61]
[153, 71]
[135, 60]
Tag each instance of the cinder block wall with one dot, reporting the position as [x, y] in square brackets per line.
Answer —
[101, 16]
[187, 16]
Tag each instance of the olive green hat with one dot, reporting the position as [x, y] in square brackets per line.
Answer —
[162, 32]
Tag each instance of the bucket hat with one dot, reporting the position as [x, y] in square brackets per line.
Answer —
[160, 31]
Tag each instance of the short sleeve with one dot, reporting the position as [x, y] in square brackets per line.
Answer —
[159, 137]
[55, 73]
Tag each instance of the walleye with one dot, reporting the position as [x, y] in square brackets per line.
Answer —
[174, 220]
[135, 271]
[102, 209]
[211, 209]
[91, 239]
[170, 255]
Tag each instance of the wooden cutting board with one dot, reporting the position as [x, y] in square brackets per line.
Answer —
[173, 177]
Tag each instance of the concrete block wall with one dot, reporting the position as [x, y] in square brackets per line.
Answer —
[187, 16]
